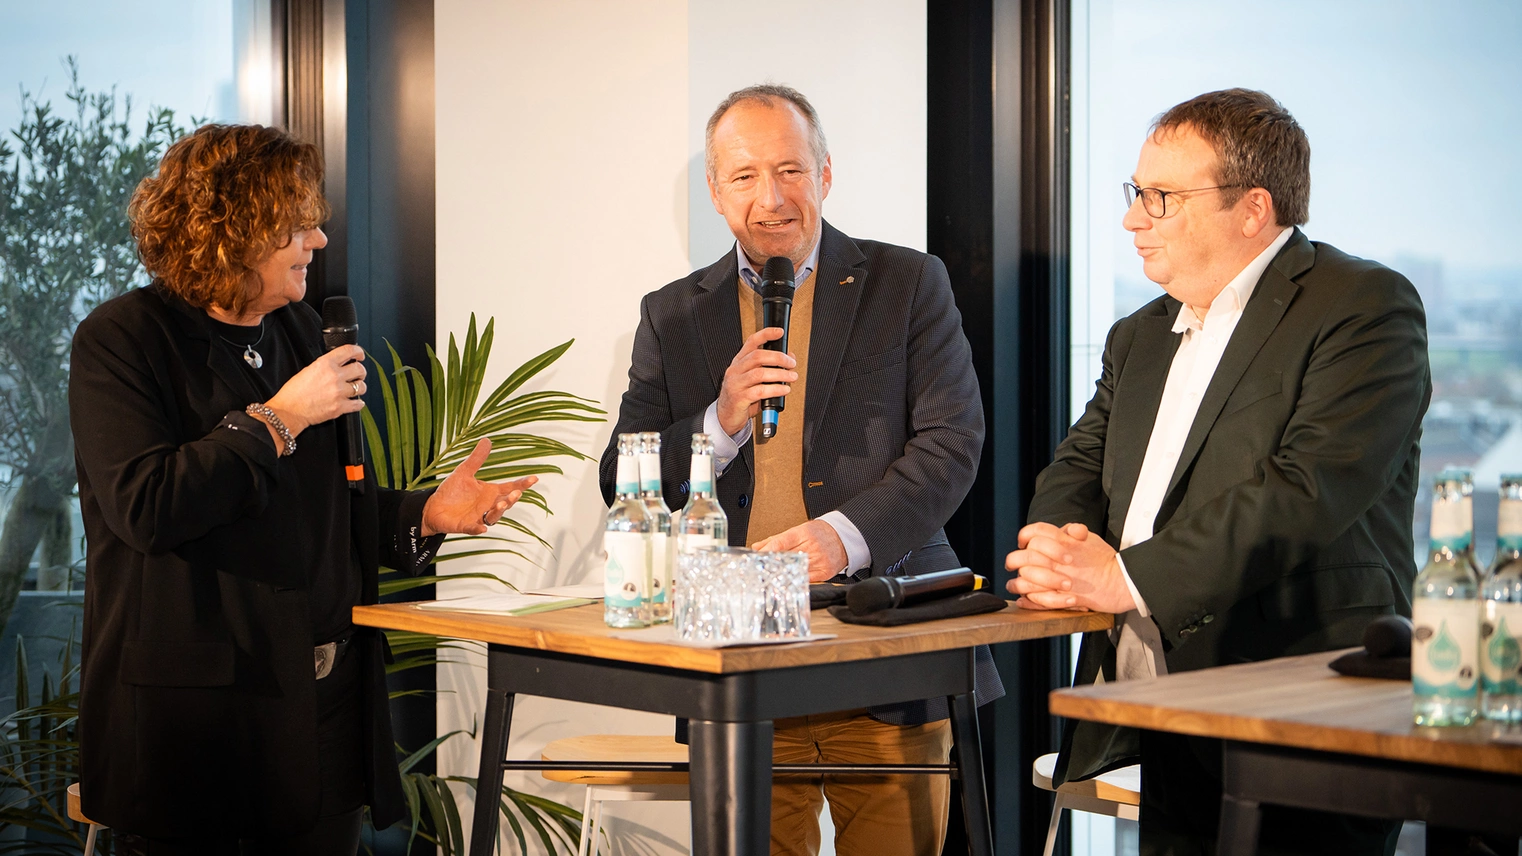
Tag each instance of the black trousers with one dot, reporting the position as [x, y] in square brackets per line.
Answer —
[1181, 809]
[340, 762]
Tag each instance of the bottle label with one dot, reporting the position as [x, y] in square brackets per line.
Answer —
[1450, 525]
[1501, 647]
[1509, 518]
[626, 576]
[627, 480]
[650, 471]
[660, 570]
[1509, 524]
[702, 474]
[1445, 647]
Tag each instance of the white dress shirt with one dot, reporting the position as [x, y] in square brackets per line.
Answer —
[726, 447]
[1138, 645]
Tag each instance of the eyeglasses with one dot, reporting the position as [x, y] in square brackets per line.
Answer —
[1154, 201]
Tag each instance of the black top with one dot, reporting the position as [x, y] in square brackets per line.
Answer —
[334, 580]
[198, 704]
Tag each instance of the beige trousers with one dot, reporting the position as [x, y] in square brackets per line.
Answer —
[873, 816]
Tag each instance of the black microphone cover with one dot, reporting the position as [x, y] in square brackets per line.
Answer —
[340, 323]
[873, 594]
[1388, 636]
[777, 269]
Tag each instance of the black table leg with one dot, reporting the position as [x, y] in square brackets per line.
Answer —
[731, 787]
[1239, 827]
[968, 746]
[499, 715]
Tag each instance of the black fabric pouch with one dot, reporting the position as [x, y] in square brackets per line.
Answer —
[1359, 664]
[967, 603]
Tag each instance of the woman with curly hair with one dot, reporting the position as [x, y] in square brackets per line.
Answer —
[228, 704]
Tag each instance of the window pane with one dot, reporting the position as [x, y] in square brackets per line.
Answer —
[100, 71]
[1413, 121]
[1413, 118]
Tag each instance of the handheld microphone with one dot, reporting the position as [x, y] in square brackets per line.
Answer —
[340, 326]
[878, 593]
[776, 307]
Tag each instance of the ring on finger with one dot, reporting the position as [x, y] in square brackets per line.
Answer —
[354, 385]
[484, 521]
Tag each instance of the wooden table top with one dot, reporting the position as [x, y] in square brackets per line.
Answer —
[1299, 702]
[580, 630]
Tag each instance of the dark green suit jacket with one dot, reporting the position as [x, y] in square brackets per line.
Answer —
[1287, 522]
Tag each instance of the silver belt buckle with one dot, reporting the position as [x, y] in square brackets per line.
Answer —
[325, 654]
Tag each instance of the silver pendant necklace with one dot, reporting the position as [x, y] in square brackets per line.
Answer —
[250, 355]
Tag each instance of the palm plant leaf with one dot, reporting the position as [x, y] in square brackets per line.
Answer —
[372, 442]
[392, 586]
[433, 418]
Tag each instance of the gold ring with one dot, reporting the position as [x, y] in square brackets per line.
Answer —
[354, 385]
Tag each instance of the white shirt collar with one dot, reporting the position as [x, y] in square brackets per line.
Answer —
[1237, 292]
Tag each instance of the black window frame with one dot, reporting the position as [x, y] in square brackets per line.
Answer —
[997, 178]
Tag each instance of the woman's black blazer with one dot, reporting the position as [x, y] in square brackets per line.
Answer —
[197, 688]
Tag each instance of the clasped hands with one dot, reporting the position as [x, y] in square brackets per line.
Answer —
[1067, 568]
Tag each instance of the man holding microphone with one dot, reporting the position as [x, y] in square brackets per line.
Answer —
[877, 445]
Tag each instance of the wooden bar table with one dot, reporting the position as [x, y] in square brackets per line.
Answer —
[731, 696]
[1298, 734]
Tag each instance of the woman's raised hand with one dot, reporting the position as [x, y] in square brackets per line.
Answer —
[464, 504]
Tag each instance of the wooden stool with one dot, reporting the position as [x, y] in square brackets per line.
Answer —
[1116, 793]
[77, 815]
[614, 785]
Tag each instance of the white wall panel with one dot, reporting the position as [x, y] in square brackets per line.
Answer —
[570, 183]
[861, 63]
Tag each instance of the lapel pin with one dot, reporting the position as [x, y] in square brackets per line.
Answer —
[847, 280]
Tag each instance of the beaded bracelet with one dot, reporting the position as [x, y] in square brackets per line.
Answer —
[257, 409]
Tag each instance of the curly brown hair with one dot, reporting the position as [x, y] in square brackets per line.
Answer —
[224, 199]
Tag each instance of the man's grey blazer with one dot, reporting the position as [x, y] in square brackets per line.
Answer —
[893, 422]
[1287, 522]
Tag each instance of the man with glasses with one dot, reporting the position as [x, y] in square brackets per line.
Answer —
[1241, 485]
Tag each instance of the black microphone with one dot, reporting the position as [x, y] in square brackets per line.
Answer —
[878, 593]
[776, 306]
[340, 326]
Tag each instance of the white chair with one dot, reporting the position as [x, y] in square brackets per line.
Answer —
[1116, 793]
[77, 815]
[614, 785]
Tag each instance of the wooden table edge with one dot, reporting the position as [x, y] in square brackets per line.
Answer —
[501, 630]
[1290, 733]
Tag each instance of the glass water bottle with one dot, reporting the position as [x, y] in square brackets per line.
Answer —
[626, 538]
[1501, 612]
[661, 556]
[702, 523]
[1445, 612]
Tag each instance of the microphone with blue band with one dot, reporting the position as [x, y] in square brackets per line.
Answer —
[776, 289]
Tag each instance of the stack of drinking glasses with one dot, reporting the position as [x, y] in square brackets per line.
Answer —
[731, 594]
